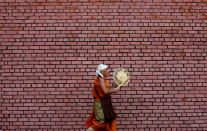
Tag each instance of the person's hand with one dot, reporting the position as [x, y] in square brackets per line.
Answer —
[116, 89]
[114, 85]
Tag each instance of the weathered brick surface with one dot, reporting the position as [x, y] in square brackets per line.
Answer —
[50, 49]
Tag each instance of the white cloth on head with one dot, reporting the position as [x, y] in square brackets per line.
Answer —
[100, 68]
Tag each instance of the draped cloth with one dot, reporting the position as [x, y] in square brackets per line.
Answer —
[92, 122]
[100, 68]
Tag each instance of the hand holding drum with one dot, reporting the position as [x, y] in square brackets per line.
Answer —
[121, 77]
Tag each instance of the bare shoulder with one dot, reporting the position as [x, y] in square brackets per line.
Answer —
[100, 79]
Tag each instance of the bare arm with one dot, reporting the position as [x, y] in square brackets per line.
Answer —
[103, 87]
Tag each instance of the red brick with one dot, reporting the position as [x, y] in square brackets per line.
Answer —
[50, 51]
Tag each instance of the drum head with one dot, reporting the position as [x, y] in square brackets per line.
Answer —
[121, 76]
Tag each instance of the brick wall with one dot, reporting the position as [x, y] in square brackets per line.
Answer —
[50, 50]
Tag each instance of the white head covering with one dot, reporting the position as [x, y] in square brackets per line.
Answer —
[100, 68]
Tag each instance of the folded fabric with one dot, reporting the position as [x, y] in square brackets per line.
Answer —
[98, 111]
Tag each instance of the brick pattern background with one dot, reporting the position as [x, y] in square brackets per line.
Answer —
[50, 50]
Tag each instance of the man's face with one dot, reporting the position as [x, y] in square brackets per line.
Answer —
[105, 72]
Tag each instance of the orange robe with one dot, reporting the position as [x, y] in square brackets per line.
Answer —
[92, 122]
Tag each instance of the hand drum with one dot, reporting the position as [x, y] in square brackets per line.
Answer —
[121, 77]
